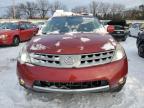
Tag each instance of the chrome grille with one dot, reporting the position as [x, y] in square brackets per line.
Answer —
[45, 60]
[96, 58]
[70, 61]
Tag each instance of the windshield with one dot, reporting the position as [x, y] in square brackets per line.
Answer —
[72, 24]
[11, 26]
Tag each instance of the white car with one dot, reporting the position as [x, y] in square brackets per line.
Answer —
[41, 28]
[136, 28]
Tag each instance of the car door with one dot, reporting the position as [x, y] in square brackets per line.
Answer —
[26, 31]
[30, 30]
[23, 34]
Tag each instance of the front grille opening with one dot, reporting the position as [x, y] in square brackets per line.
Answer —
[57, 62]
[111, 52]
[90, 61]
[56, 56]
[110, 57]
[82, 62]
[104, 53]
[71, 85]
[104, 59]
[90, 56]
[97, 54]
[83, 56]
[43, 60]
[97, 60]
[50, 56]
[50, 61]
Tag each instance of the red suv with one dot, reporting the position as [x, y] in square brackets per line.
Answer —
[14, 33]
[75, 54]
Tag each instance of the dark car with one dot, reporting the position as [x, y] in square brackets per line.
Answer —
[120, 31]
[140, 44]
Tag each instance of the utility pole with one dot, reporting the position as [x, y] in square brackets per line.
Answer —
[14, 13]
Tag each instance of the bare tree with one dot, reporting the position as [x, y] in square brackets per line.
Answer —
[116, 8]
[43, 7]
[94, 7]
[9, 12]
[29, 8]
[105, 10]
[141, 7]
[105, 7]
[80, 9]
[117, 11]
[57, 5]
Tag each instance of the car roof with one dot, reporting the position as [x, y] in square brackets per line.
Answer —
[74, 16]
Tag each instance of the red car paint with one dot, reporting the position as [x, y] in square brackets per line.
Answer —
[111, 72]
[31, 73]
[23, 35]
[97, 41]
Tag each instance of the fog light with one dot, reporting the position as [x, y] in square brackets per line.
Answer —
[121, 81]
[22, 82]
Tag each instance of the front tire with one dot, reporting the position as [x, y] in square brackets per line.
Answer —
[119, 88]
[124, 38]
[16, 41]
[141, 50]
[129, 33]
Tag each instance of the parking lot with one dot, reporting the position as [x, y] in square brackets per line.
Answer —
[14, 96]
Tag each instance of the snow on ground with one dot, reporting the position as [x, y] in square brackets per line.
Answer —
[14, 96]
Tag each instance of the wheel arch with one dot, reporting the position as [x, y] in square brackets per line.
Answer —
[16, 36]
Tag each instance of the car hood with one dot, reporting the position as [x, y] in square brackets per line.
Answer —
[79, 43]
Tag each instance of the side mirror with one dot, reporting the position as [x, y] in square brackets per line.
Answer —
[110, 28]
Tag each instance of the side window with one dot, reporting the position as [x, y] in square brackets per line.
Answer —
[23, 27]
[28, 26]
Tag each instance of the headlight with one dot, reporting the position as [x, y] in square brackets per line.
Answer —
[24, 56]
[3, 37]
[119, 53]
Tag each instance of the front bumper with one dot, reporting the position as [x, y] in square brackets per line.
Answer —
[5, 42]
[97, 89]
[112, 72]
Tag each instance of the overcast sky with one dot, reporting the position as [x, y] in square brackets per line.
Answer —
[71, 3]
